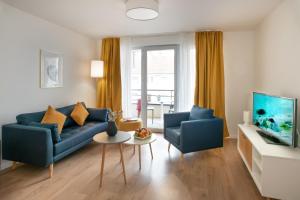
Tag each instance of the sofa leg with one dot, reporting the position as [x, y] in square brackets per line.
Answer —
[50, 170]
[169, 147]
[14, 165]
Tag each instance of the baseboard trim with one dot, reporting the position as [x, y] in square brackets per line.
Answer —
[5, 166]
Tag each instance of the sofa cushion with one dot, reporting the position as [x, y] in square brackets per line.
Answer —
[173, 134]
[76, 134]
[67, 110]
[201, 113]
[97, 114]
[53, 127]
[27, 118]
[54, 117]
[79, 114]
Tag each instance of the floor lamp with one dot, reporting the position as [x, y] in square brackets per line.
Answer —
[97, 68]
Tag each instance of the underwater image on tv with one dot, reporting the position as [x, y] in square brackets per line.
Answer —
[274, 115]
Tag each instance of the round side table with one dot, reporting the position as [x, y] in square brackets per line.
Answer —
[139, 143]
[118, 139]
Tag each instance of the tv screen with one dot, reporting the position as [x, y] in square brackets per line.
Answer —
[276, 116]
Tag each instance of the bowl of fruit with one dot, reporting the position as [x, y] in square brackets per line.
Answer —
[142, 133]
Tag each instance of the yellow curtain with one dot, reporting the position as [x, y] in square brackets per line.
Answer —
[209, 91]
[109, 91]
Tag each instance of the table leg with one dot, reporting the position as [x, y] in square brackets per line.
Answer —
[151, 150]
[123, 166]
[140, 162]
[102, 164]
[133, 149]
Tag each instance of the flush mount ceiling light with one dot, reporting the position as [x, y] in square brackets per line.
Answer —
[142, 9]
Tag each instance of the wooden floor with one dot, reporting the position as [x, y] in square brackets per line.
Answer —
[212, 174]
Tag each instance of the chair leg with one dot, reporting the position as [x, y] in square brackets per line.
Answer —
[181, 156]
[50, 170]
[169, 147]
[14, 165]
[152, 115]
[151, 150]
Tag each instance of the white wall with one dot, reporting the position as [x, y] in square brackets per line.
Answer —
[278, 52]
[21, 38]
[239, 59]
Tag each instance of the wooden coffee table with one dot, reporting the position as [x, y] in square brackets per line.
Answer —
[139, 143]
[104, 139]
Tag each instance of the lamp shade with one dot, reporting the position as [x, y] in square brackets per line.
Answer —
[97, 69]
[142, 9]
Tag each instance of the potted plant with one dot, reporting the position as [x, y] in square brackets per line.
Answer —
[112, 128]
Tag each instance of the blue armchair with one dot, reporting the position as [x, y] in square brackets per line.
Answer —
[193, 131]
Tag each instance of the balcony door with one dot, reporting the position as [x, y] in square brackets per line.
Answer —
[153, 84]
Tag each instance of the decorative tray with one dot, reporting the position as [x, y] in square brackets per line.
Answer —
[144, 138]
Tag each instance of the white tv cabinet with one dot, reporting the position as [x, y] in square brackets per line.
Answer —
[275, 169]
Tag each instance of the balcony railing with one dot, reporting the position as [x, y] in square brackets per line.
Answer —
[154, 96]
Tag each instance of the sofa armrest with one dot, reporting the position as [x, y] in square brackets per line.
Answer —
[27, 144]
[201, 134]
[98, 114]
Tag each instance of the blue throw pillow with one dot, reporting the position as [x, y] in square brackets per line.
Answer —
[53, 127]
[97, 114]
[201, 113]
[27, 118]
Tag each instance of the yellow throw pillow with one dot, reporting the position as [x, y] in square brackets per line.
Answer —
[54, 117]
[79, 114]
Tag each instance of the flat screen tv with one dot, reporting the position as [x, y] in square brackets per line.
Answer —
[276, 117]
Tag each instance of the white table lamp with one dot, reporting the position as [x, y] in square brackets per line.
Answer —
[247, 116]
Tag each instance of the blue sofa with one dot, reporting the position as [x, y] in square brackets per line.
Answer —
[25, 143]
[193, 131]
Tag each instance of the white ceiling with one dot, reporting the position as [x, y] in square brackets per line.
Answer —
[97, 18]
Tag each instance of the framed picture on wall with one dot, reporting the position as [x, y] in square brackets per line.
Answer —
[51, 70]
